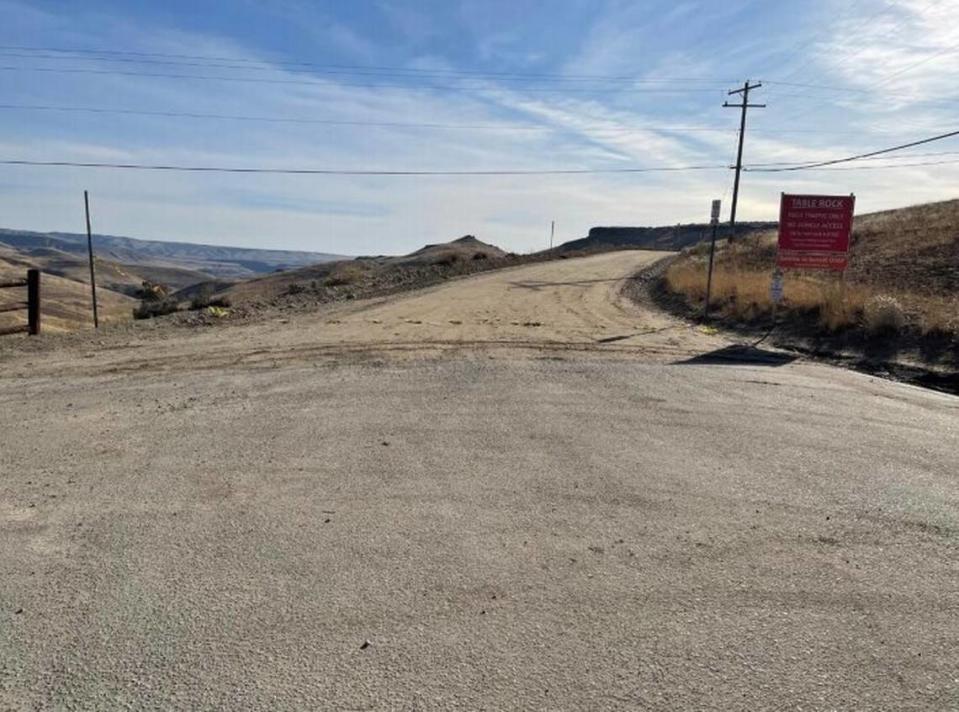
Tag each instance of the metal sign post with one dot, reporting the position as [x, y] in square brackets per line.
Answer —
[714, 221]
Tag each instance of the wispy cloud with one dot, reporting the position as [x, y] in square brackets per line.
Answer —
[905, 51]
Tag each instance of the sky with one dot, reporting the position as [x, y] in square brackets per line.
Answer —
[461, 85]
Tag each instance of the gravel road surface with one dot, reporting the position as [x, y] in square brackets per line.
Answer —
[375, 507]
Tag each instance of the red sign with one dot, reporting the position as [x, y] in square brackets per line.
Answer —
[814, 231]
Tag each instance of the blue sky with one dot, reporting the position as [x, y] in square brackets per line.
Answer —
[458, 85]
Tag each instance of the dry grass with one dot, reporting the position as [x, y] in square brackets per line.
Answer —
[65, 304]
[743, 294]
[883, 314]
[940, 316]
[902, 277]
[346, 273]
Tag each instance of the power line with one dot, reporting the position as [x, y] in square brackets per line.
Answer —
[908, 156]
[852, 33]
[845, 60]
[891, 33]
[897, 165]
[416, 125]
[804, 85]
[909, 68]
[474, 86]
[832, 98]
[329, 83]
[248, 64]
[362, 68]
[374, 71]
[406, 173]
[862, 156]
[381, 73]
[340, 172]
[411, 124]
[345, 122]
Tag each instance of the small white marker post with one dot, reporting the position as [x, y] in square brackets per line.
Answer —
[776, 290]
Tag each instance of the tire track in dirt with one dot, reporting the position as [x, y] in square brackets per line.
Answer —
[572, 305]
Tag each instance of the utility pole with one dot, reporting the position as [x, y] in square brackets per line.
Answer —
[745, 106]
[93, 276]
[552, 232]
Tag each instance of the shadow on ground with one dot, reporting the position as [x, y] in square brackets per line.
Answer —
[937, 354]
[536, 285]
[740, 354]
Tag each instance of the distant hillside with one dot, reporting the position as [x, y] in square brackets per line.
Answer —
[673, 237]
[122, 278]
[215, 260]
[123, 264]
[363, 275]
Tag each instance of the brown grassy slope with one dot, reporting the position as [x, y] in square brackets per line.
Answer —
[366, 275]
[904, 259]
[65, 304]
[116, 276]
[464, 249]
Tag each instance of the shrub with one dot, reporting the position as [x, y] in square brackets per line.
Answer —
[345, 273]
[883, 314]
[221, 302]
[941, 318]
[295, 288]
[151, 309]
[152, 291]
[447, 260]
[204, 298]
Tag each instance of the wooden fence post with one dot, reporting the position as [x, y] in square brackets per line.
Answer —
[33, 301]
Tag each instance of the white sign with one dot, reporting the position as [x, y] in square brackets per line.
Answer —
[714, 216]
[776, 288]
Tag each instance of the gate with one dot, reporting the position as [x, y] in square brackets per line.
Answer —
[32, 304]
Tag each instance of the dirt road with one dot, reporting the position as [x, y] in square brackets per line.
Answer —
[563, 303]
[379, 508]
[566, 305]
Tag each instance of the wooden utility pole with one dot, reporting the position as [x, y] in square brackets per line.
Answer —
[33, 302]
[93, 275]
[745, 106]
[552, 232]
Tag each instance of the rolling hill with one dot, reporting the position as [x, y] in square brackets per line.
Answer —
[360, 275]
[669, 238]
[123, 264]
[215, 260]
[115, 276]
[65, 303]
